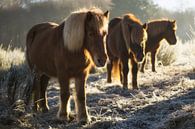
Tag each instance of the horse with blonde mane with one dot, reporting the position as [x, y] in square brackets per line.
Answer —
[126, 39]
[67, 51]
[157, 31]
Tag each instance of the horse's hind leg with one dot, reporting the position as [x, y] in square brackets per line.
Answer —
[81, 99]
[43, 94]
[153, 60]
[109, 70]
[36, 92]
[120, 72]
[125, 70]
[134, 71]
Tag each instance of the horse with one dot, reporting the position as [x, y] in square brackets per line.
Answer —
[157, 31]
[66, 51]
[126, 40]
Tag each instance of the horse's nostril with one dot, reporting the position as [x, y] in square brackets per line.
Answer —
[99, 61]
[140, 57]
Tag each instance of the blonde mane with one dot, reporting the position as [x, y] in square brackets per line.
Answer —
[74, 28]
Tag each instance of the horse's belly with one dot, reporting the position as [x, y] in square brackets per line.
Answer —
[42, 63]
[45, 68]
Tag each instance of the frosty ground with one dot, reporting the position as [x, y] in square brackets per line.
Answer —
[165, 100]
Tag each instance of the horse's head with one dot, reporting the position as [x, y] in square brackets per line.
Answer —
[96, 27]
[138, 36]
[135, 36]
[170, 35]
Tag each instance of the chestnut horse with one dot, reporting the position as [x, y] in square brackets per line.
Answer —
[126, 39]
[67, 51]
[157, 31]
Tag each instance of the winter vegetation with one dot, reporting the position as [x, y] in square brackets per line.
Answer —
[165, 100]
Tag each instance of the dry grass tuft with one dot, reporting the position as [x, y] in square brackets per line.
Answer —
[16, 80]
[10, 57]
[166, 54]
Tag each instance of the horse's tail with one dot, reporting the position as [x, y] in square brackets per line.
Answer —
[116, 69]
[29, 40]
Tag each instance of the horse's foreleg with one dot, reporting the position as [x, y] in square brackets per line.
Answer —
[81, 99]
[109, 71]
[153, 60]
[43, 94]
[120, 72]
[63, 112]
[134, 71]
[125, 70]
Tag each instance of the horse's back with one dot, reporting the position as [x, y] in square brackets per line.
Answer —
[113, 23]
[38, 30]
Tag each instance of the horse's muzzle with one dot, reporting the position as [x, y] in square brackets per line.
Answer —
[100, 62]
[140, 57]
[173, 43]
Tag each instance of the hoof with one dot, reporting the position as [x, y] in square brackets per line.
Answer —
[109, 81]
[34, 108]
[142, 71]
[44, 109]
[125, 87]
[84, 121]
[65, 117]
[135, 88]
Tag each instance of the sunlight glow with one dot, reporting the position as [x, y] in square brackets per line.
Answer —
[176, 5]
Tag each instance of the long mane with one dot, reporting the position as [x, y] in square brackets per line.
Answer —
[74, 28]
[128, 19]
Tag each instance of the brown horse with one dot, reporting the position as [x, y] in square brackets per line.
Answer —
[157, 31]
[67, 51]
[126, 39]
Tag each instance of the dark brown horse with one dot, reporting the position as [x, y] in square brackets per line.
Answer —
[67, 51]
[157, 31]
[126, 39]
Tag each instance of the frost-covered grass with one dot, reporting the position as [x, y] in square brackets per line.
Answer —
[10, 57]
[165, 99]
[15, 77]
[181, 53]
[185, 53]
[166, 54]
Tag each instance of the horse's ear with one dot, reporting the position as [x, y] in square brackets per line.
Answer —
[89, 16]
[106, 14]
[145, 26]
[174, 21]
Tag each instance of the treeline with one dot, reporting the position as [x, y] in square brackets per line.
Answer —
[18, 16]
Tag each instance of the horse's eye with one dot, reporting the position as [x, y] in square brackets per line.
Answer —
[104, 33]
[91, 33]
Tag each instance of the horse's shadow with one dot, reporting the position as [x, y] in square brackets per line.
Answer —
[147, 88]
[102, 106]
[168, 113]
[165, 113]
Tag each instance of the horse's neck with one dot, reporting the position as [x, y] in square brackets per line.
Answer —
[159, 33]
[158, 37]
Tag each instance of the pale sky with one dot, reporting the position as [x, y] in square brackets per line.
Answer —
[176, 5]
